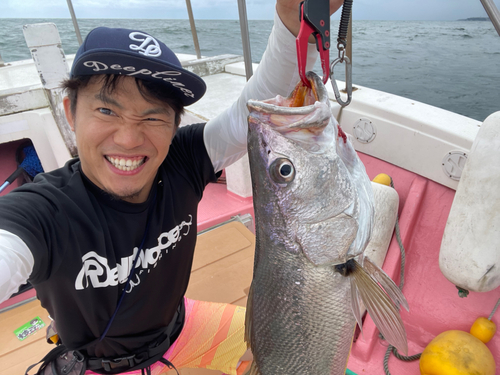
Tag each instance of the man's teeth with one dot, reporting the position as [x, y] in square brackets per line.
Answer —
[125, 164]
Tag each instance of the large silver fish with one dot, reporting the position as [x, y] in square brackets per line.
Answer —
[314, 214]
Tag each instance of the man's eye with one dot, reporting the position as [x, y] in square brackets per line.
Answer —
[106, 111]
[155, 121]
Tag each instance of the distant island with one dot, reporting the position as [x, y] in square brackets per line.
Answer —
[476, 19]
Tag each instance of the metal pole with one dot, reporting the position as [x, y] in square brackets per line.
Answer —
[493, 13]
[193, 29]
[75, 24]
[1, 61]
[247, 56]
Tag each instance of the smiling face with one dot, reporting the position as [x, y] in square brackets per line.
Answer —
[122, 138]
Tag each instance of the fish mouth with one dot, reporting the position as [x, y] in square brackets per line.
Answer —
[305, 109]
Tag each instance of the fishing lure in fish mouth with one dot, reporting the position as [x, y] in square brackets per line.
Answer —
[314, 215]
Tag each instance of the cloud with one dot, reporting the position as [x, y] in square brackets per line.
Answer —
[166, 4]
[202, 9]
[228, 9]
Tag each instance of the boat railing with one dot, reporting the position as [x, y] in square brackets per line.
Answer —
[242, 10]
[245, 38]
[493, 13]
[75, 23]
[193, 29]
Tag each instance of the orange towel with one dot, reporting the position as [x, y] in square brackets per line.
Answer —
[212, 338]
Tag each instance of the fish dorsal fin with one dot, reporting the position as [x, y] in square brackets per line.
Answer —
[382, 310]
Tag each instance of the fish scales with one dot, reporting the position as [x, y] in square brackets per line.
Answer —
[313, 210]
[295, 325]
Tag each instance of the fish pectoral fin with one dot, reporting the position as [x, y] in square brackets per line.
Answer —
[355, 305]
[382, 310]
[386, 282]
[248, 316]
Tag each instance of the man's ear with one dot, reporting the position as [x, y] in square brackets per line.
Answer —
[68, 113]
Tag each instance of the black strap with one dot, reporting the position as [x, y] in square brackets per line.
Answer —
[67, 369]
[49, 357]
[169, 364]
[143, 359]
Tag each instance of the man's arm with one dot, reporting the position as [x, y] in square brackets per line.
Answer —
[16, 264]
[225, 135]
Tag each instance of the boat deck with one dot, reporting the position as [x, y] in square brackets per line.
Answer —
[435, 305]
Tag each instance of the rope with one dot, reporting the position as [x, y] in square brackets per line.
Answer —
[392, 349]
[398, 356]
[494, 309]
[402, 249]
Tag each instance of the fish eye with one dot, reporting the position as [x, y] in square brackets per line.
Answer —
[282, 171]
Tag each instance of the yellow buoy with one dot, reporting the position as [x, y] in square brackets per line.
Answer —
[383, 179]
[483, 329]
[456, 353]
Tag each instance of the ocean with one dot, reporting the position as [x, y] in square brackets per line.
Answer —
[454, 65]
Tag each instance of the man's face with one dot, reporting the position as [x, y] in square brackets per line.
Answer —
[122, 138]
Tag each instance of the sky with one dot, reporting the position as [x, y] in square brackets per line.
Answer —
[439, 10]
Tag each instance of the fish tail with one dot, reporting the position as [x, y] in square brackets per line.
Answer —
[375, 297]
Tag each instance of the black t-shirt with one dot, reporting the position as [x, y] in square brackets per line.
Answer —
[84, 241]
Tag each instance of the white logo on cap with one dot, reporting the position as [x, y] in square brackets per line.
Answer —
[166, 75]
[149, 46]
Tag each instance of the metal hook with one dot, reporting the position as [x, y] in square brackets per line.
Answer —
[348, 79]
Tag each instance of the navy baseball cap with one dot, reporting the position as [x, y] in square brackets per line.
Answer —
[136, 54]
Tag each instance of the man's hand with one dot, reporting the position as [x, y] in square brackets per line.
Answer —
[288, 10]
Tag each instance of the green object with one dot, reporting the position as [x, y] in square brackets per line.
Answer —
[29, 328]
[349, 372]
[462, 293]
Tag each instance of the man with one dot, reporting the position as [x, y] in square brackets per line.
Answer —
[108, 240]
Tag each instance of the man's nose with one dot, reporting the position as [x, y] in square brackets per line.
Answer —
[129, 135]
